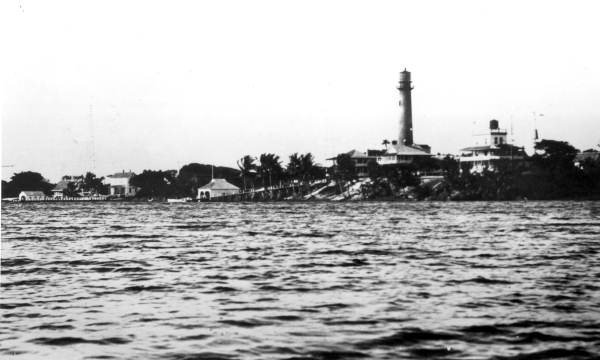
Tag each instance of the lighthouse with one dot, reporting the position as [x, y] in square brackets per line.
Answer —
[405, 136]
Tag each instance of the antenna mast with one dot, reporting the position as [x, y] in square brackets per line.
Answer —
[92, 137]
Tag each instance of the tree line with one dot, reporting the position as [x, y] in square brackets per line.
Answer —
[265, 170]
[33, 181]
[550, 173]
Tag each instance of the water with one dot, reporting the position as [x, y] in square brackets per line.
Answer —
[300, 280]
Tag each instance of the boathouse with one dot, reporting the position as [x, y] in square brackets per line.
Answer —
[216, 188]
[32, 196]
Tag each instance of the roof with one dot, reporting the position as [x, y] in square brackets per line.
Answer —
[33, 193]
[501, 150]
[354, 154]
[62, 185]
[357, 154]
[477, 148]
[401, 149]
[220, 184]
[123, 174]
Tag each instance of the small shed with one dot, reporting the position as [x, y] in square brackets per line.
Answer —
[32, 196]
[215, 188]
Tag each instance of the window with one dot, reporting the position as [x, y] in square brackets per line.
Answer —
[495, 140]
[501, 141]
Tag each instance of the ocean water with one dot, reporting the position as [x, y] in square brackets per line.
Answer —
[378, 280]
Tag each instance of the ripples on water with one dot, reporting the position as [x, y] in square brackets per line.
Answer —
[301, 280]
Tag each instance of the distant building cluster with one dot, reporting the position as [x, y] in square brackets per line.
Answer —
[400, 151]
[493, 148]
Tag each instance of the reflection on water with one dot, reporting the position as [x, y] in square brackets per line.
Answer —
[301, 280]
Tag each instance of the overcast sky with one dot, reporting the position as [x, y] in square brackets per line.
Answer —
[112, 85]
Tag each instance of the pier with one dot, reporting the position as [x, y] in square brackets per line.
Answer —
[284, 191]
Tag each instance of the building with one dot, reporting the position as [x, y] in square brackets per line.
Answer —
[216, 188]
[398, 154]
[360, 160]
[490, 149]
[32, 196]
[60, 190]
[119, 184]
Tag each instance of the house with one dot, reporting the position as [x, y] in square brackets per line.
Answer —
[395, 154]
[401, 154]
[119, 184]
[216, 188]
[491, 149]
[32, 196]
[60, 189]
[360, 160]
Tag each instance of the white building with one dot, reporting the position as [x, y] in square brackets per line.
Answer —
[119, 184]
[215, 188]
[32, 196]
[399, 154]
[60, 189]
[490, 149]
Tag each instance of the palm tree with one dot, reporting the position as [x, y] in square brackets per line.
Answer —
[271, 165]
[294, 166]
[247, 167]
[385, 143]
[307, 166]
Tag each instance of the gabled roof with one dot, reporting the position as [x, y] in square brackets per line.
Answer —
[62, 185]
[357, 154]
[33, 193]
[401, 149]
[354, 154]
[219, 184]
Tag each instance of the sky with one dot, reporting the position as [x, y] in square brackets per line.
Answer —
[106, 86]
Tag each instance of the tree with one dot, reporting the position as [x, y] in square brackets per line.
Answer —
[374, 170]
[71, 189]
[307, 165]
[303, 167]
[385, 143]
[247, 168]
[401, 175]
[346, 167]
[154, 183]
[294, 166]
[29, 181]
[8, 190]
[270, 168]
[554, 163]
[190, 178]
[93, 184]
[553, 151]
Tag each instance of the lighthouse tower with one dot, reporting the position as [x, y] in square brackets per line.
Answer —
[405, 136]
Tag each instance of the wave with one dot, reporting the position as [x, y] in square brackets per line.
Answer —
[408, 336]
[70, 340]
